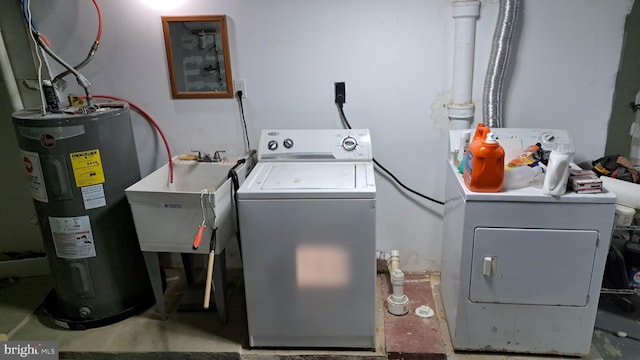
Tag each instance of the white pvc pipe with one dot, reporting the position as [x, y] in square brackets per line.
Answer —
[397, 284]
[464, 15]
[461, 108]
[397, 302]
[394, 260]
[9, 78]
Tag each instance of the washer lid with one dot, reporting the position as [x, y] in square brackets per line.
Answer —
[309, 180]
[310, 176]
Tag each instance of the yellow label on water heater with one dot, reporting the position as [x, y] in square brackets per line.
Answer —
[87, 167]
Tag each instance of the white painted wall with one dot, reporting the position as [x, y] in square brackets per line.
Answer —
[18, 220]
[395, 57]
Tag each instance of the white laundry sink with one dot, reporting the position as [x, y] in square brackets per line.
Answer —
[167, 215]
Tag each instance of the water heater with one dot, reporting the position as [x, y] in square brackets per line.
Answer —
[77, 167]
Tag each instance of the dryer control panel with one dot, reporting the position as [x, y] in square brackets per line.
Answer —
[315, 145]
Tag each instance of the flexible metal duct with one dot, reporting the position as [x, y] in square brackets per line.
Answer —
[498, 61]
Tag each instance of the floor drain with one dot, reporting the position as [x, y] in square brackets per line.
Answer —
[424, 311]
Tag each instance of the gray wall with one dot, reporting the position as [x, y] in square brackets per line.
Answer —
[627, 86]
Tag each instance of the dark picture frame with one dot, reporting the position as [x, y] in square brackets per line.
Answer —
[197, 50]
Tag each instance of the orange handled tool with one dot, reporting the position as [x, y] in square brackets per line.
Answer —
[196, 241]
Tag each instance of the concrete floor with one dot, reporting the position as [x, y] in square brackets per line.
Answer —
[188, 335]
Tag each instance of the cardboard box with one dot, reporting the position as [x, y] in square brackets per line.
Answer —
[582, 181]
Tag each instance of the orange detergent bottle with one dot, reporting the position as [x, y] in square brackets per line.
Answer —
[484, 162]
[481, 132]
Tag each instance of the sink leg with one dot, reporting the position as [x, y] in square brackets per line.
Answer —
[219, 282]
[187, 264]
[153, 268]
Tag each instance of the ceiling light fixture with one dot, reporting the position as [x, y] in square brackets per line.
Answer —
[164, 4]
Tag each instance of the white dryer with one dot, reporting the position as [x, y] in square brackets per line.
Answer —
[521, 271]
[307, 228]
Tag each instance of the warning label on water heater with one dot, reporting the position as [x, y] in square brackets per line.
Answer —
[87, 167]
[72, 237]
[33, 170]
[93, 197]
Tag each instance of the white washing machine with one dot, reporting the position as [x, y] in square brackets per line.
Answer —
[522, 271]
[307, 227]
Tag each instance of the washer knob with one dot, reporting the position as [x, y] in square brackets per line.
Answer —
[349, 143]
[288, 143]
[272, 145]
[548, 137]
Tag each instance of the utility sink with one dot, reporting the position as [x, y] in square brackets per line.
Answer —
[167, 215]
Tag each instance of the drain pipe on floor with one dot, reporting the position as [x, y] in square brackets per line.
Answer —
[397, 302]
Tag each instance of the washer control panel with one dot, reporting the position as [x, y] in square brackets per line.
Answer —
[315, 145]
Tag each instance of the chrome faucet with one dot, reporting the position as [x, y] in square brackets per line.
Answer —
[202, 156]
[216, 156]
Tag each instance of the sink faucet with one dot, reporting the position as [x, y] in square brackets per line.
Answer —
[216, 155]
[202, 156]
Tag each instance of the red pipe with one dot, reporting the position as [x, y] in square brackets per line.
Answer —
[150, 119]
[99, 36]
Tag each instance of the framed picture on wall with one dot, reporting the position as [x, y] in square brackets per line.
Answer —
[198, 56]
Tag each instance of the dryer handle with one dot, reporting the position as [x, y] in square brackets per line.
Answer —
[489, 266]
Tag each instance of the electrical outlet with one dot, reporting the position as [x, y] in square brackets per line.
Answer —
[240, 85]
[340, 93]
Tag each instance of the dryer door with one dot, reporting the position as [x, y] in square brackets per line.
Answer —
[532, 266]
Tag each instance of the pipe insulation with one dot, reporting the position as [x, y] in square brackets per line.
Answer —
[492, 108]
[461, 108]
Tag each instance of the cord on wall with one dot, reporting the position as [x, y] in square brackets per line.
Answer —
[340, 99]
[244, 122]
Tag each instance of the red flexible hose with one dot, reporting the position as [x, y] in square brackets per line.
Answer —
[150, 119]
[99, 36]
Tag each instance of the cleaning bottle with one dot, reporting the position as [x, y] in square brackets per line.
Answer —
[484, 163]
[477, 136]
[555, 180]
